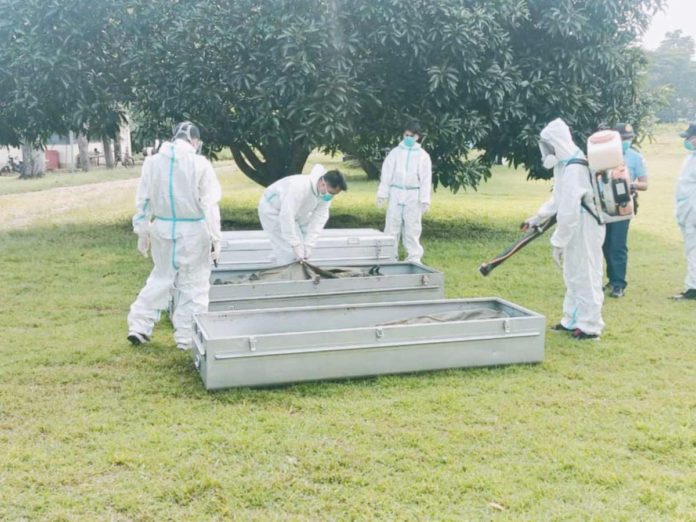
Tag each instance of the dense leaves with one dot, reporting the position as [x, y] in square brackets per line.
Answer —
[60, 71]
[274, 79]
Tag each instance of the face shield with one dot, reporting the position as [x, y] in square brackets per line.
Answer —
[189, 132]
[548, 154]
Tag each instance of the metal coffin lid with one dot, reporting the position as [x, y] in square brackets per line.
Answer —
[240, 240]
[282, 345]
[252, 248]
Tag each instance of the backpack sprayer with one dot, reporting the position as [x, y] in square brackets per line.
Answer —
[609, 177]
[609, 201]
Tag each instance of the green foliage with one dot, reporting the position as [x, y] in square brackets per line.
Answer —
[488, 75]
[575, 60]
[60, 69]
[672, 74]
[270, 79]
[274, 79]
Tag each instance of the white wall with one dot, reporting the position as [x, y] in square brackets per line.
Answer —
[67, 158]
[6, 152]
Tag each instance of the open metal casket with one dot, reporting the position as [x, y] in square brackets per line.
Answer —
[285, 345]
[286, 286]
[242, 249]
[291, 286]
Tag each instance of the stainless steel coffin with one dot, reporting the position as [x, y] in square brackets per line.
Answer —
[252, 248]
[285, 345]
[397, 282]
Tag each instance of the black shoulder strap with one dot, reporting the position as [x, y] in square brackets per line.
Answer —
[591, 212]
[584, 163]
[577, 161]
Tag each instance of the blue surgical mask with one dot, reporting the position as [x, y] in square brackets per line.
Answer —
[689, 146]
[326, 197]
[626, 145]
[409, 141]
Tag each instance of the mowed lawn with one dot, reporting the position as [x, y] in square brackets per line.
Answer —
[92, 429]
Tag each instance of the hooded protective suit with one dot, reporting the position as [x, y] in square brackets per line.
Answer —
[177, 203]
[686, 215]
[578, 237]
[406, 181]
[292, 213]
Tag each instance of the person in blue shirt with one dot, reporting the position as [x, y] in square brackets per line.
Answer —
[615, 243]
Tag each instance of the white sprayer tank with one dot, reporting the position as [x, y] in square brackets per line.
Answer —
[604, 150]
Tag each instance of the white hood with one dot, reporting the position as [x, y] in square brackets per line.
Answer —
[557, 133]
[317, 172]
[178, 147]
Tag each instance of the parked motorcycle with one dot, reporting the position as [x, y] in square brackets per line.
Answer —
[12, 166]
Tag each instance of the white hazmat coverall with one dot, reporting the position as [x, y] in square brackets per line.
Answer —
[293, 214]
[406, 180]
[686, 215]
[577, 233]
[177, 202]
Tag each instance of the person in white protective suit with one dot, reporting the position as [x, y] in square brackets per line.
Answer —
[178, 221]
[578, 238]
[406, 183]
[686, 211]
[294, 210]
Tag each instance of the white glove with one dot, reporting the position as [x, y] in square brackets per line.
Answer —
[381, 202]
[144, 244]
[424, 207]
[215, 251]
[557, 253]
[299, 252]
[530, 222]
[307, 251]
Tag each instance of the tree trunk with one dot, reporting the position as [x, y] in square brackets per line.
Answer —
[371, 168]
[34, 162]
[108, 153]
[83, 152]
[279, 160]
[117, 151]
[371, 165]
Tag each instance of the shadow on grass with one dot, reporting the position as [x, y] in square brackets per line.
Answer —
[243, 218]
[379, 384]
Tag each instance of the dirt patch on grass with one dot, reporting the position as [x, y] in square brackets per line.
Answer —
[18, 211]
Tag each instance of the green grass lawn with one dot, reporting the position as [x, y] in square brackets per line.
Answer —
[91, 429]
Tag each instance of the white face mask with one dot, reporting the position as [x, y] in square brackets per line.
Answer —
[550, 161]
